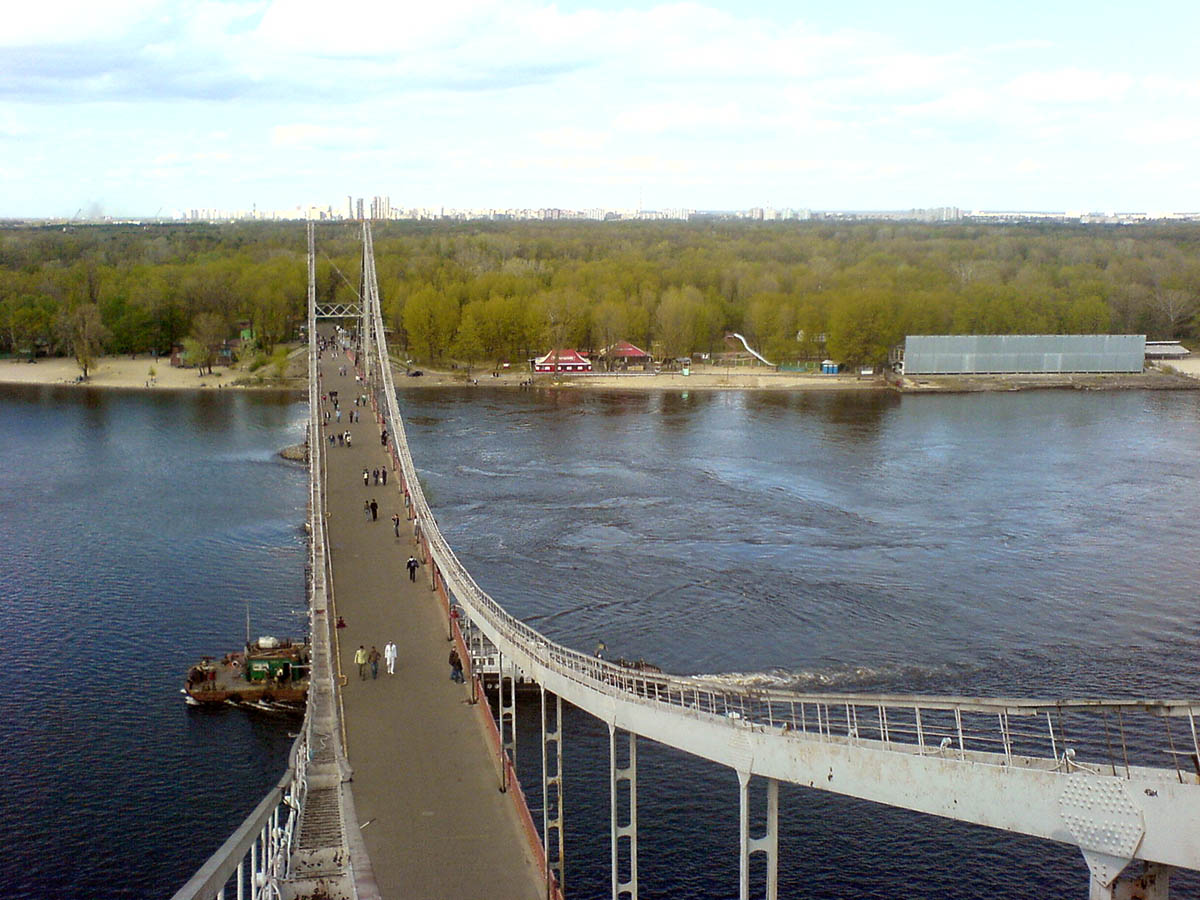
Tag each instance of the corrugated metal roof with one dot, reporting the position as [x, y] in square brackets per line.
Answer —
[1166, 350]
[962, 354]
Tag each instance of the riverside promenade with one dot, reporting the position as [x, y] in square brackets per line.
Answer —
[425, 772]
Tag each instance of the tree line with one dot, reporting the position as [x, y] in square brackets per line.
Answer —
[484, 293]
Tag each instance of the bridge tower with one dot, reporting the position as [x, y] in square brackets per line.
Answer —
[330, 309]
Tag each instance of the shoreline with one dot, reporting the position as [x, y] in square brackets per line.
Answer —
[123, 373]
[1149, 380]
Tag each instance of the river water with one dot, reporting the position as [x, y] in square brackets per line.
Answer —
[135, 529]
[1028, 544]
[1010, 544]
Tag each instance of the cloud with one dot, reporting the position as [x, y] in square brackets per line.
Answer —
[311, 136]
[1069, 86]
[223, 50]
[50, 23]
[685, 93]
[571, 138]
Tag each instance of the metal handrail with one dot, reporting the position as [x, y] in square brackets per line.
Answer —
[693, 695]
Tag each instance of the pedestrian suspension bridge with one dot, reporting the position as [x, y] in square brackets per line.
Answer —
[1118, 778]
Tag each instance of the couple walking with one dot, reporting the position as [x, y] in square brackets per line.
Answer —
[363, 659]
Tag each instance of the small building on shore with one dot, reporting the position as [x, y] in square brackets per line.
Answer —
[1166, 350]
[623, 356]
[562, 361]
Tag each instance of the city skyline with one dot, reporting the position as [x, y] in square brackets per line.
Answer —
[139, 108]
[380, 208]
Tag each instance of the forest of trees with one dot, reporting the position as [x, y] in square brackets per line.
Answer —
[487, 292]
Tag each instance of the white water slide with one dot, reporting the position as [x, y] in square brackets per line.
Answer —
[752, 350]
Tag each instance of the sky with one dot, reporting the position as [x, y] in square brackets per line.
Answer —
[148, 107]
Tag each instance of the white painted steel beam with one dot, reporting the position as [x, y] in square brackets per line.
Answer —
[508, 716]
[629, 831]
[768, 843]
[981, 788]
[552, 795]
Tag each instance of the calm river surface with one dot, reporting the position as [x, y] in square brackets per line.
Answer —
[135, 527]
[1032, 543]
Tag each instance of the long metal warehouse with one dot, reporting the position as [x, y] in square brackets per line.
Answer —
[963, 354]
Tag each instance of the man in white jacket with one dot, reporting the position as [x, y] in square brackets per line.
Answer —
[389, 657]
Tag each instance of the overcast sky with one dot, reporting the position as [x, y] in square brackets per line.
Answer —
[135, 106]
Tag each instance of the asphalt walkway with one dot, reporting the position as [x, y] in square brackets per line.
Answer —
[425, 777]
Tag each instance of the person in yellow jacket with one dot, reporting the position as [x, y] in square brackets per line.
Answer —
[360, 657]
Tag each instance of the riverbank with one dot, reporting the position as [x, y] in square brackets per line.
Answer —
[716, 379]
[135, 373]
[765, 380]
[1150, 380]
[707, 378]
[146, 373]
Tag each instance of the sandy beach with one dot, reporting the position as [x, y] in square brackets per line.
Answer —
[124, 372]
[718, 379]
[135, 373]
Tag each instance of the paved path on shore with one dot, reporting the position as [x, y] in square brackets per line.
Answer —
[425, 777]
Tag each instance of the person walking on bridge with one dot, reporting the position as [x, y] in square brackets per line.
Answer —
[373, 659]
[360, 659]
[456, 666]
[374, 510]
[389, 656]
[412, 568]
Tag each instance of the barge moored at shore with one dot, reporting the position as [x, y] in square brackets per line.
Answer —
[267, 671]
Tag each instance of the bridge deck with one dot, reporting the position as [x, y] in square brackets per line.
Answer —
[425, 778]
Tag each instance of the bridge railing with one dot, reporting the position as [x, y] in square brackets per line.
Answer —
[1004, 730]
[256, 855]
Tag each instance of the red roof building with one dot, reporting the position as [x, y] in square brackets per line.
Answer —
[627, 351]
[624, 355]
[562, 361]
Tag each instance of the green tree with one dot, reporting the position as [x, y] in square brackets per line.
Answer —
[676, 318]
[1088, 315]
[610, 323]
[208, 333]
[431, 320]
[273, 294]
[471, 343]
[862, 329]
[85, 332]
